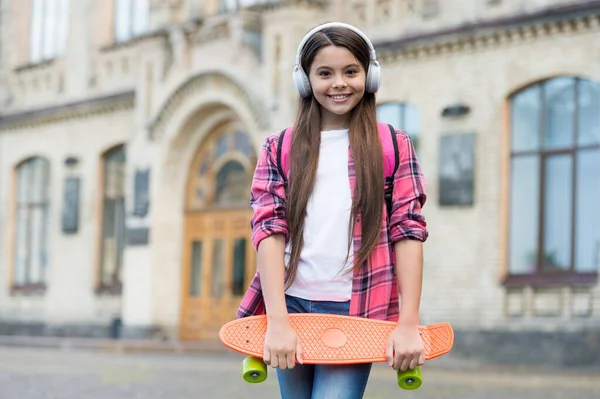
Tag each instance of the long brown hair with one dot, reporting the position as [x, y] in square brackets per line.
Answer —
[368, 198]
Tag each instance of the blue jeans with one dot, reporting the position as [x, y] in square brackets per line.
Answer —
[319, 381]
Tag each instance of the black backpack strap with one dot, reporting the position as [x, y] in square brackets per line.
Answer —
[279, 168]
[389, 180]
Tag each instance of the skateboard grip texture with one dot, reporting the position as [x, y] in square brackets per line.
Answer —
[333, 339]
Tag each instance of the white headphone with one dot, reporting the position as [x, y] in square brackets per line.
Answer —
[301, 81]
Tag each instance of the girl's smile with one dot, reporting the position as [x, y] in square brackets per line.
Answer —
[339, 98]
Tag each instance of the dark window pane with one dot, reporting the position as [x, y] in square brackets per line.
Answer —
[196, 269]
[589, 113]
[222, 145]
[37, 250]
[242, 143]
[39, 181]
[587, 238]
[205, 165]
[25, 182]
[113, 223]
[560, 113]
[233, 185]
[21, 244]
[239, 266]
[524, 213]
[109, 216]
[525, 110]
[32, 222]
[391, 113]
[402, 116]
[558, 198]
[120, 235]
[412, 124]
[218, 268]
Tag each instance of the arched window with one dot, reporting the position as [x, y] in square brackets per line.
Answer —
[113, 219]
[555, 181]
[402, 116]
[221, 172]
[31, 227]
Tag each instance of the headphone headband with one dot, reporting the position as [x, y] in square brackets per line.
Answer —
[335, 25]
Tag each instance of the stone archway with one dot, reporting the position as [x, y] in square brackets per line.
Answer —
[183, 127]
[218, 260]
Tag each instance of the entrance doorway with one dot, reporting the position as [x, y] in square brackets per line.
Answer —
[218, 258]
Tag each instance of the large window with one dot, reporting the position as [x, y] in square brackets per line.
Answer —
[31, 234]
[131, 18]
[402, 116]
[48, 29]
[555, 181]
[113, 220]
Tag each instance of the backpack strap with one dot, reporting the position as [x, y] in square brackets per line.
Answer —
[391, 160]
[283, 154]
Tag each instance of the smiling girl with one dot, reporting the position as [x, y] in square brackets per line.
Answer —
[324, 239]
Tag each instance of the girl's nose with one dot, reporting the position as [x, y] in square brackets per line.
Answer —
[339, 82]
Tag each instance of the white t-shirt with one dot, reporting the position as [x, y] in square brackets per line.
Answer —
[322, 274]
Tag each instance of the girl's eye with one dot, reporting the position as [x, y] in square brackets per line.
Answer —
[351, 72]
[323, 73]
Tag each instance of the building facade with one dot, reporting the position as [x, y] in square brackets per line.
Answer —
[129, 132]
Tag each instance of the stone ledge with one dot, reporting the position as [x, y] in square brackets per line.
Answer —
[558, 349]
[108, 345]
[78, 109]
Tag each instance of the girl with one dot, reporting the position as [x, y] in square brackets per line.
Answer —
[325, 243]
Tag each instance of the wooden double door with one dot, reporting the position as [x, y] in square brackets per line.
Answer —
[217, 266]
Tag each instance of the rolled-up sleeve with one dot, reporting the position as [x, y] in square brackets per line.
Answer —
[267, 196]
[406, 221]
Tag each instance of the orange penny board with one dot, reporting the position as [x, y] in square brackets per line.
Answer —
[333, 339]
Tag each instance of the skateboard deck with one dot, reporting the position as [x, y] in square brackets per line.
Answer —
[334, 339]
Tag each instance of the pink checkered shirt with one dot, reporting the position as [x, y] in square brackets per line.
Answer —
[375, 285]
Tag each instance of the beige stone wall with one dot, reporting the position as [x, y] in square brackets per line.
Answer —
[466, 245]
[195, 69]
[70, 295]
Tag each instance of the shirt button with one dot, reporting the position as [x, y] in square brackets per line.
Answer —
[355, 290]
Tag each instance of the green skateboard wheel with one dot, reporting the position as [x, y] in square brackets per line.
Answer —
[410, 379]
[254, 370]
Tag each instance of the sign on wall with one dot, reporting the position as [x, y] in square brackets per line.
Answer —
[141, 193]
[70, 211]
[139, 232]
[457, 169]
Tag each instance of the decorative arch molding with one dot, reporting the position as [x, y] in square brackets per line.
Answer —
[533, 79]
[193, 88]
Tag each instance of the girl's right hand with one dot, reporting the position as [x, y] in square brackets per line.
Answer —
[282, 346]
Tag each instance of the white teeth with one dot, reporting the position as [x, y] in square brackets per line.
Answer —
[339, 97]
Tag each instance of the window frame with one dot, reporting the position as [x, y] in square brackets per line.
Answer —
[29, 286]
[113, 287]
[48, 30]
[544, 276]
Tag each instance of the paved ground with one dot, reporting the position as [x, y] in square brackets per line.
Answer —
[44, 373]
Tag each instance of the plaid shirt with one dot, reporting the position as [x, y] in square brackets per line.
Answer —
[375, 285]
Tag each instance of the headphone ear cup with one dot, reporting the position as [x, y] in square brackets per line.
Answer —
[373, 78]
[301, 82]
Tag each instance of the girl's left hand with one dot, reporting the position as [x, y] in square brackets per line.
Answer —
[405, 348]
